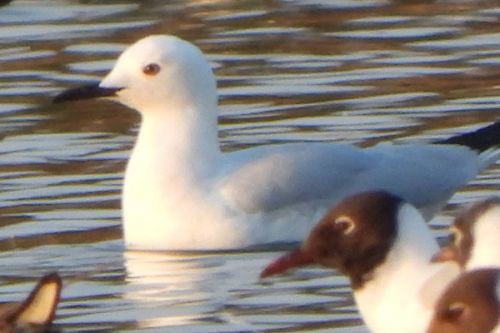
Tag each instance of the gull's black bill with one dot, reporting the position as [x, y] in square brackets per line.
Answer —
[85, 92]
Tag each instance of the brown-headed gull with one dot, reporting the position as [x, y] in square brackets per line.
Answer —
[383, 245]
[36, 312]
[475, 237]
[469, 304]
[182, 193]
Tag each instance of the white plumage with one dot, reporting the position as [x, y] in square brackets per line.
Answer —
[182, 193]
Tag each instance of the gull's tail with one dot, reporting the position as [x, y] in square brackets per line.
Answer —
[486, 141]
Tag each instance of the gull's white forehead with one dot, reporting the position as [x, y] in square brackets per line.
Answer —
[157, 48]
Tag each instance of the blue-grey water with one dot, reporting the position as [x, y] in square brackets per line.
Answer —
[356, 71]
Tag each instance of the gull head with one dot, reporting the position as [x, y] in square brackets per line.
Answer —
[354, 237]
[37, 311]
[470, 303]
[158, 72]
[473, 236]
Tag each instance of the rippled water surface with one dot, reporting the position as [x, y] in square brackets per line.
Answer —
[357, 71]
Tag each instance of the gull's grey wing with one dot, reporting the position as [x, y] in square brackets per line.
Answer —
[274, 177]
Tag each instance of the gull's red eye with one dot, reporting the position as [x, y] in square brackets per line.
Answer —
[151, 69]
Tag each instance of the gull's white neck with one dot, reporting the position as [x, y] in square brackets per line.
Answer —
[182, 141]
[389, 303]
[485, 234]
[171, 167]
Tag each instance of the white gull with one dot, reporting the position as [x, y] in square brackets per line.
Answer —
[182, 193]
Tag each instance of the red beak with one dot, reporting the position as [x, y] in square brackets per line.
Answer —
[446, 253]
[295, 258]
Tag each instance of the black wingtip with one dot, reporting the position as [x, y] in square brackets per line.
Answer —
[479, 140]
